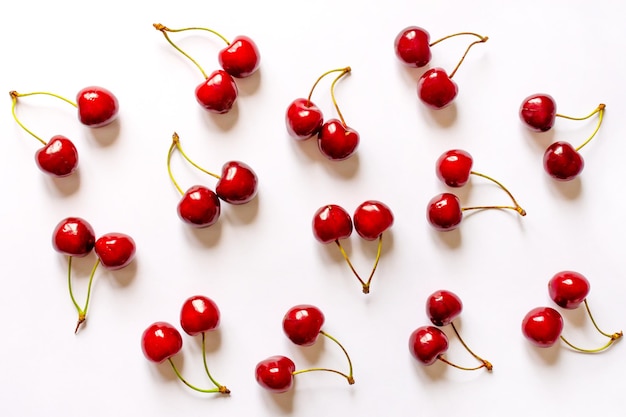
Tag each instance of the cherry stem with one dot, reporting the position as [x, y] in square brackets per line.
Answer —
[169, 165]
[193, 387]
[349, 377]
[517, 207]
[481, 39]
[600, 111]
[612, 339]
[176, 141]
[332, 93]
[221, 388]
[485, 362]
[82, 312]
[454, 365]
[342, 70]
[364, 284]
[613, 336]
[14, 96]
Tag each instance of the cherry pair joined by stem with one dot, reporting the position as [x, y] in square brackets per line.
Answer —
[454, 167]
[161, 340]
[372, 218]
[543, 326]
[561, 160]
[58, 157]
[75, 237]
[302, 324]
[428, 344]
[239, 59]
[335, 139]
[199, 205]
[435, 86]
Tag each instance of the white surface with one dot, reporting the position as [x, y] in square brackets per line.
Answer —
[261, 259]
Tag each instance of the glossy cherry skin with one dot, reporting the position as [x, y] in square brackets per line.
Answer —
[218, 92]
[330, 223]
[199, 314]
[568, 289]
[199, 207]
[161, 341]
[436, 89]
[238, 183]
[115, 250]
[412, 46]
[302, 324]
[444, 212]
[372, 218]
[73, 236]
[562, 162]
[542, 326]
[538, 112]
[275, 373]
[427, 343]
[241, 58]
[442, 307]
[336, 141]
[97, 106]
[454, 167]
[303, 119]
[58, 157]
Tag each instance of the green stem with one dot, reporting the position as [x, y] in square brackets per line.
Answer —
[600, 111]
[320, 79]
[613, 336]
[193, 387]
[180, 149]
[481, 40]
[345, 352]
[221, 388]
[519, 209]
[485, 363]
[600, 349]
[169, 166]
[332, 93]
[356, 274]
[454, 365]
[164, 31]
[366, 286]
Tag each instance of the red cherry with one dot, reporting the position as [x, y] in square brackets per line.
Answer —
[199, 206]
[568, 289]
[436, 89]
[538, 112]
[412, 46]
[371, 219]
[199, 314]
[330, 223]
[161, 341]
[302, 324]
[237, 184]
[115, 250]
[444, 212]
[562, 162]
[337, 141]
[442, 307]
[303, 119]
[542, 326]
[58, 157]
[97, 106]
[73, 236]
[427, 343]
[275, 373]
[217, 93]
[454, 167]
[241, 58]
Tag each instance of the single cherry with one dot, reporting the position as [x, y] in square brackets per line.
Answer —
[412, 46]
[241, 58]
[161, 341]
[199, 314]
[275, 373]
[442, 307]
[337, 141]
[562, 162]
[58, 157]
[444, 212]
[542, 326]
[538, 111]
[199, 206]
[427, 344]
[372, 218]
[115, 250]
[302, 324]
[454, 167]
[238, 183]
[97, 106]
[73, 236]
[217, 93]
[568, 289]
[331, 223]
[303, 119]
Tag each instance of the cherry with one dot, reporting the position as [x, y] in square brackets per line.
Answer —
[238, 183]
[303, 119]
[442, 307]
[199, 314]
[331, 223]
[275, 373]
[542, 326]
[115, 250]
[241, 58]
[97, 106]
[302, 324]
[562, 162]
[73, 236]
[217, 93]
[337, 141]
[58, 157]
[444, 212]
[538, 111]
[454, 167]
[412, 46]
[427, 344]
[568, 289]
[160, 341]
[199, 207]
[371, 219]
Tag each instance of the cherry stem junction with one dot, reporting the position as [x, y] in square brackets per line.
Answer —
[176, 145]
[481, 39]
[82, 311]
[613, 336]
[349, 377]
[364, 284]
[485, 362]
[517, 207]
[15, 95]
[343, 72]
[221, 388]
[193, 387]
[600, 111]
[463, 368]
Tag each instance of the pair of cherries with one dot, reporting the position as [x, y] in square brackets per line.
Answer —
[302, 324]
[75, 237]
[543, 326]
[372, 218]
[239, 59]
[58, 157]
[454, 167]
[200, 206]
[435, 87]
[561, 160]
[428, 344]
[161, 340]
[335, 139]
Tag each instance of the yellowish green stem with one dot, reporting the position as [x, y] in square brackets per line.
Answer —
[349, 376]
[517, 207]
[485, 363]
[221, 388]
[342, 70]
[454, 365]
[364, 284]
[481, 39]
[600, 111]
[163, 29]
[193, 387]
[82, 311]
[613, 336]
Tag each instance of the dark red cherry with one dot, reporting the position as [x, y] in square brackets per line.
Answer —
[199, 207]
[568, 289]
[454, 167]
[412, 46]
[542, 326]
[96, 106]
[442, 307]
[436, 89]
[427, 343]
[330, 223]
[538, 112]
[73, 236]
[302, 324]
[337, 141]
[241, 58]
[562, 162]
[372, 218]
[218, 92]
[58, 157]
[161, 341]
[199, 314]
[275, 373]
[115, 250]
[238, 183]
[303, 119]
[444, 212]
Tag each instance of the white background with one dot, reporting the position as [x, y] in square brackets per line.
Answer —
[261, 259]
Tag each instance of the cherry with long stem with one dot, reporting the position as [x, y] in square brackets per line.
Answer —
[82, 311]
[349, 376]
[481, 39]
[364, 283]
